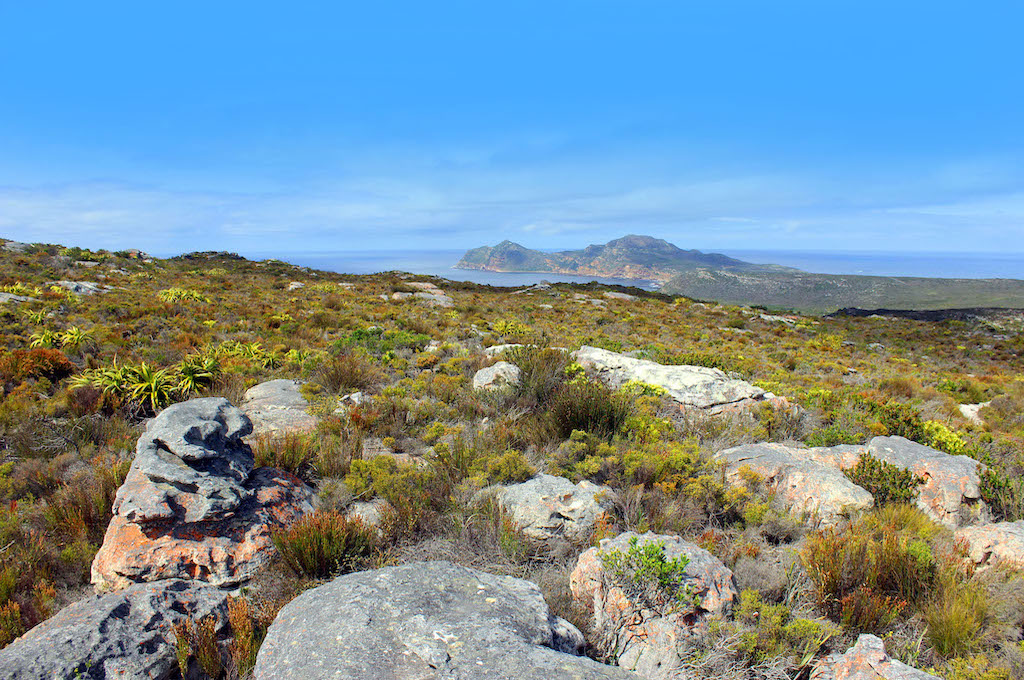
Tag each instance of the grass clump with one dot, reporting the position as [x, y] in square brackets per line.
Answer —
[325, 543]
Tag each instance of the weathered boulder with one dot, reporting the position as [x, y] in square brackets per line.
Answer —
[866, 660]
[79, 287]
[423, 620]
[295, 285]
[991, 544]
[127, 634]
[11, 297]
[973, 412]
[277, 407]
[548, 507]
[435, 298]
[614, 295]
[192, 506]
[495, 377]
[495, 350]
[693, 386]
[800, 481]
[641, 638]
[951, 494]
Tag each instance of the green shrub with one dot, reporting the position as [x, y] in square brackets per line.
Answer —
[588, 406]
[322, 544]
[648, 577]
[771, 631]
[509, 468]
[886, 482]
[377, 342]
[542, 372]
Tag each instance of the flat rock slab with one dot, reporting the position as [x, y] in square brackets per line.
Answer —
[645, 640]
[424, 620]
[803, 480]
[80, 287]
[547, 507]
[277, 407]
[126, 634]
[496, 377]
[866, 660]
[692, 386]
[992, 544]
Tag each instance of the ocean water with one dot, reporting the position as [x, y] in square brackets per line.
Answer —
[440, 263]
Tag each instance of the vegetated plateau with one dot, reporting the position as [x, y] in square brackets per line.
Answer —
[97, 343]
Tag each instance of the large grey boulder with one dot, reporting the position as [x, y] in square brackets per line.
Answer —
[423, 620]
[501, 374]
[951, 493]
[866, 660]
[277, 407]
[801, 481]
[127, 634]
[643, 636]
[548, 507]
[193, 506]
[11, 297]
[994, 544]
[692, 386]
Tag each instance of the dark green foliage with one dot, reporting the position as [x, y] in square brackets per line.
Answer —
[886, 482]
[543, 370]
[377, 341]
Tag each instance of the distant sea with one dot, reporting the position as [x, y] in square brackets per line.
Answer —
[440, 263]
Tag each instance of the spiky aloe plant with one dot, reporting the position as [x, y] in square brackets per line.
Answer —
[76, 338]
[197, 372]
[153, 388]
[44, 338]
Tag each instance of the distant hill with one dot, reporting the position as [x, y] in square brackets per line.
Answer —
[818, 293]
[629, 257]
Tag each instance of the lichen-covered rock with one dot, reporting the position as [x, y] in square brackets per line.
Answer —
[424, 620]
[500, 375]
[192, 506]
[643, 640]
[693, 386]
[126, 634]
[548, 507]
[951, 493]
[866, 660]
[80, 287]
[277, 407]
[800, 481]
[991, 544]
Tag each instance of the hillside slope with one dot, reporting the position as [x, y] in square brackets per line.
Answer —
[817, 293]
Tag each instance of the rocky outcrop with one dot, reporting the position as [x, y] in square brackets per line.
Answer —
[973, 412]
[424, 620]
[951, 494]
[693, 386]
[992, 544]
[548, 507]
[811, 479]
[496, 377]
[79, 287]
[495, 350]
[866, 660]
[277, 407]
[643, 639]
[127, 634]
[192, 506]
[800, 480]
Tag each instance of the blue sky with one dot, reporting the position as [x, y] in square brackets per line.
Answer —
[332, 126]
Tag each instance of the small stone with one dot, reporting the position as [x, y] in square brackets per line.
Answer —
[498, 376]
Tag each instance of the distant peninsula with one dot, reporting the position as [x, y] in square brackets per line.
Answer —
[629, 257]
[720, 278]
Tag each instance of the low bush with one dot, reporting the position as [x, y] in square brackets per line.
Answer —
[886, 482]
[588, 406]
[325, 543]
[347, 371]
[649, 578]
[26, 364]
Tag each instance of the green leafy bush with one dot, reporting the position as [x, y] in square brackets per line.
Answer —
[886, 482]
[648, 577]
